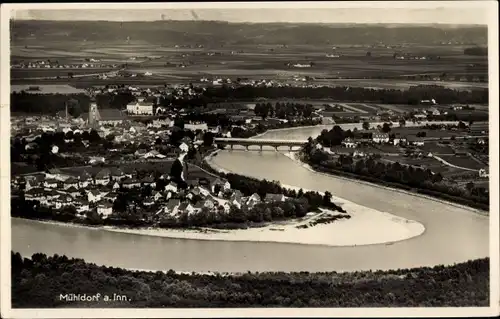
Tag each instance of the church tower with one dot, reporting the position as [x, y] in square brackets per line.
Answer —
[94, 116]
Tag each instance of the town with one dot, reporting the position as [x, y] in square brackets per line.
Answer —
[194, 161]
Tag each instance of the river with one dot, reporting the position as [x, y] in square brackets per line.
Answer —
[453, 234]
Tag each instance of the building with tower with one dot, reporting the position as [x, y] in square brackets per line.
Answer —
[96, 117]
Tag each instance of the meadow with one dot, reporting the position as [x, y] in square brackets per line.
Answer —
[180, 64]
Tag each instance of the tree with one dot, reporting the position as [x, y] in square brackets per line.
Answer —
[366, 126]
[74, 108]
[469, 186]
[386, 128]
[402, 122]
[208, 139]
[327, 198]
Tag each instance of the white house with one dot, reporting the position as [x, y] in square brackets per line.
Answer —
[349, 143]
[225, 185]
[484, 172]
[253, 200]
[82, 206]
[380, 137]
[140, 108]
[171, 187]
[106, 209]
[131, 183]
[50, 183]
[94, 196]
[196, 126]
[186, 207]
[399, 140]
[172, 207]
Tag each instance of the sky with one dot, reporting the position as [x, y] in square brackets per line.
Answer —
[440, 13]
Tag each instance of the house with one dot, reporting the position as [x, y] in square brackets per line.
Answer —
[359, 154]
[35, 194]
[82, 206]
[72, 191]
[103, 177]
[85, 179]
[208, 203]
[110, 196]
[380, 138]
[31, 184]
[57, 174]
[399, 141]
[158, 196]
[433, 111]
[153, 154]
[131, 183]
[140, 108]
[117, 174]
[51, 183]
[172, 207]
[226, 206]
[253, 200]
[172, 186]
[420, 116]
[237, 194]
[96, 160]
[349, 143]
[196, 126]
[186, 207]
[115, 186]
[70, 182]
[63, 201]
[105, 209]
[484, 172]
[275, 198]
[94, 196]
[415, 141]
[223, 184]
[149, 180]
[149, 201]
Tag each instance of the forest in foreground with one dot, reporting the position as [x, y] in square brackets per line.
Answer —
[42, 282]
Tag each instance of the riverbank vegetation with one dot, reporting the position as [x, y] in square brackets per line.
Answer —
[38, 282]
[373, 169]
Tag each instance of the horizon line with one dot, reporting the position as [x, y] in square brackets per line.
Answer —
[266, 22]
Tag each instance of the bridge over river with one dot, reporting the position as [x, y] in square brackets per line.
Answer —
[247, 142]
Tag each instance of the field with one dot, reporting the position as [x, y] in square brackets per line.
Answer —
[47, 89]
[437, 148]
[463, 161]
[412, 131]
[25, 74]
[179, 64]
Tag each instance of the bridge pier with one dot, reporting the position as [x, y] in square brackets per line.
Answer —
[231, 147]
[290, 148]
[246, 147]
[260, 147]
[275, 148]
